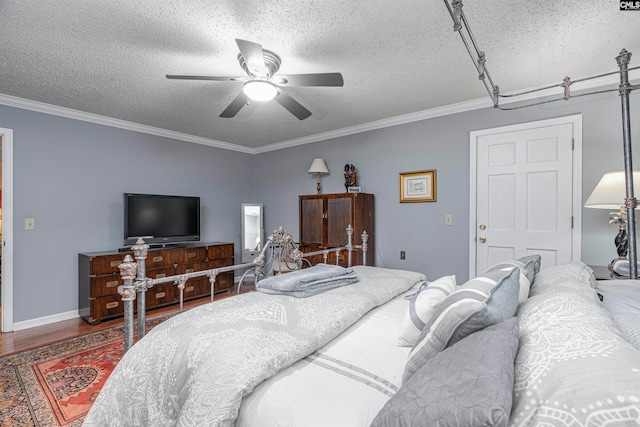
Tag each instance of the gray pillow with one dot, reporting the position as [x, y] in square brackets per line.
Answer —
[526, 275]
[535, 259]
[468, 384]
[481, 302]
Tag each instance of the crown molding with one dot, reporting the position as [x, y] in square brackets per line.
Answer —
[462, 107]
[55, 110]
[597, 83]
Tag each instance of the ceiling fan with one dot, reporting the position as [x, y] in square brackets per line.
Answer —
[261, 66]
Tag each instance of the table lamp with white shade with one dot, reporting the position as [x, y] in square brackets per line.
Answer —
[610, 194]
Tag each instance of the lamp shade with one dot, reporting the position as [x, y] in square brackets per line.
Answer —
[318, 166]
[611, 190]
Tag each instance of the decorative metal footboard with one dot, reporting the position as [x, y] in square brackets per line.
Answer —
[279, 248]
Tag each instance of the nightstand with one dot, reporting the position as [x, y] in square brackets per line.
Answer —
[602, 272]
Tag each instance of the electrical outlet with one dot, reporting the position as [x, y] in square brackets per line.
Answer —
[30, 224]
[403, 255]
[448, 219]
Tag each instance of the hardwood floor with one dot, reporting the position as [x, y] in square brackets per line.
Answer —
[11, 342]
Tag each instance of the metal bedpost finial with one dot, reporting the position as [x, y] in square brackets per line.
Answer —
[128, 272]
[623, 58]
[496, 96]
[128, 268]
[140, 249]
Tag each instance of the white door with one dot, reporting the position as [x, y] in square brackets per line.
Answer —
[525, 185]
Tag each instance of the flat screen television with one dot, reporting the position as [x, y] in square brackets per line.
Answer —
[161, 219]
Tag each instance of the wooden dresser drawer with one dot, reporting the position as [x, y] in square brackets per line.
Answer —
[101, 286]
[224, 282]
[108, 264]
[160, 272]
[162, 294]
[220, 251]
[196, 288]
[190, 255]
[106, 307]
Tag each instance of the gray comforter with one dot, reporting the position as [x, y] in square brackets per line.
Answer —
[194, 369]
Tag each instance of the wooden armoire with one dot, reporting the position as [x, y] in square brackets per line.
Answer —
[324, 219]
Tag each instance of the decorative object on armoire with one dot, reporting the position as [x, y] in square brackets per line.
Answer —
[350, 176]
[418, 186]
[319, 167]
[261, 84]
[610, 194]
[323, 219]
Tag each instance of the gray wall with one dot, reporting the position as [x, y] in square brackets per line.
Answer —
[443, 144]
[70, 176]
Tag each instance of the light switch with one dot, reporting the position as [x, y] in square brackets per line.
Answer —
[30, 224]
[448, 219]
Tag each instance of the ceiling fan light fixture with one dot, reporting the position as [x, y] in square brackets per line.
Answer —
[260, 90]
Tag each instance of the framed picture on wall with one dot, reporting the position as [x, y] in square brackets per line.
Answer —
[418, 186]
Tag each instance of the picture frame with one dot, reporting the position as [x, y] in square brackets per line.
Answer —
[419, 186]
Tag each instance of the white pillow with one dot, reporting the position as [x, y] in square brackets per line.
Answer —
[422, 306]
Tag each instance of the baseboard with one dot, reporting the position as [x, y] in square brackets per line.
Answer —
[41, 321]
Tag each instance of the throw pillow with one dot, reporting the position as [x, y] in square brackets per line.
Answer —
[481, 302]
[468, 384]
[526, 275]
[422, 305]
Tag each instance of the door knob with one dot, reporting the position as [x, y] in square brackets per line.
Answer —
[482, 227]
[482, 239]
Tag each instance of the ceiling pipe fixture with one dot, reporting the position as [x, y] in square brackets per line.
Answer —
[260, 90]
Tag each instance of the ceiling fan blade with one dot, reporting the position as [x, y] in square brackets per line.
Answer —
[253, 57]
[292, 105]
[318, 79]
[217, 78]
[235, 106]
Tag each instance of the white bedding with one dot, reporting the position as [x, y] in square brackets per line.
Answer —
[362, 369]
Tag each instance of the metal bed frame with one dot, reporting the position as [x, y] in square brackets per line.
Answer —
[461, 26]
[279, 247]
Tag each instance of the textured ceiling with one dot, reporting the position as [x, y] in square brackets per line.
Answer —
[110, 57]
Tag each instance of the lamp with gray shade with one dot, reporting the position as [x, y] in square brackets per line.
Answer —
[319, 167]
[610, 194]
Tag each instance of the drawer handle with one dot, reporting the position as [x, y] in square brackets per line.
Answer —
[161, 275]
[111, 305]
[112, 284]
[114, 263]
[160, 295]
[191, 255]
[157, 258]
[189, 270]
[189, 289]
[220, 251]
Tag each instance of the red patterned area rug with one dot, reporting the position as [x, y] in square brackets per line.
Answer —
[56, 384]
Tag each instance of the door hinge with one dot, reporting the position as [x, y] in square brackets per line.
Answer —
[572, 222]
[573, 144]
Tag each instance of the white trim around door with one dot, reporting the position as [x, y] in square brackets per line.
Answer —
[576, 124]
[7, 229]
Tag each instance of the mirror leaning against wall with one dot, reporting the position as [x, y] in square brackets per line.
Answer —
[252, 231]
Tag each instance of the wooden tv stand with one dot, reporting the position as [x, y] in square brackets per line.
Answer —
[99, 277]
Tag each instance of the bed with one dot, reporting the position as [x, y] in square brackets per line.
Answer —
[516, 346]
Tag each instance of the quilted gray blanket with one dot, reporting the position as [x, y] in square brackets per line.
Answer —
[194, 369]
[308, 281]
